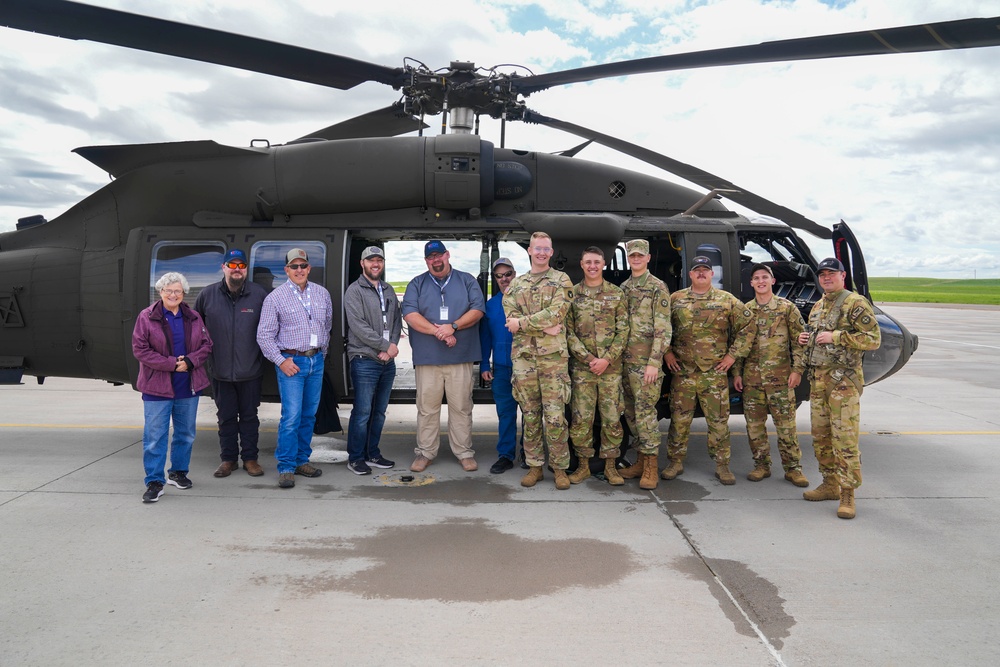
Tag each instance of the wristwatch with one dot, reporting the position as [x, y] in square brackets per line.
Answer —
[454, 326]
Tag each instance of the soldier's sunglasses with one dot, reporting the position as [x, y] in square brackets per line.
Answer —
[505, 274]
[236, 265]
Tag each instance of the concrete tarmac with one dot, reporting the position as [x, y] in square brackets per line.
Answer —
[471, 569]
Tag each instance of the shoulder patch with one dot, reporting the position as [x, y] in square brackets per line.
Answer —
[569, 294]
[857, 311]
[665, 303]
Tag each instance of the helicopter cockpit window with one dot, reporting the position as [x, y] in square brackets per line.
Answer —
[267, 262]
[199, 262]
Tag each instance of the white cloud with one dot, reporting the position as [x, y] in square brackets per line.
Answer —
[902, 147]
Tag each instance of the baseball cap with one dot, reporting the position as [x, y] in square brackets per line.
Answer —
[761, 267]
[372, 251]
[638, 245]
[432, 247]
[701, 260]
[830, 264]
[235, 254]
[503, 260]
[294, 254]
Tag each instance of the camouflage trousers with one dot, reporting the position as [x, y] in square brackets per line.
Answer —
[711, 389]
[835, 410]
[640, 407]
[779, 402]
[592, 392]
[542, 388]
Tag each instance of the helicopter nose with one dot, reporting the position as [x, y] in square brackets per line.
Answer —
[898, 344]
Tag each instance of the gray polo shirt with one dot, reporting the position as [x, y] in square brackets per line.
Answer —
[460, 293]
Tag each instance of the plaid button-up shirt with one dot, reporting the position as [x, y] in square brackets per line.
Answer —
[287, 324]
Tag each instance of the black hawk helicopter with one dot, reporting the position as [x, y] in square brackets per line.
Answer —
[180, 206]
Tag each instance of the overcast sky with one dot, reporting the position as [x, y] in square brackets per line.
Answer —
[905, 148]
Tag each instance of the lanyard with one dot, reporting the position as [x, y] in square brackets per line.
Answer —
[307, 303]
[442, 286]
[381, 300]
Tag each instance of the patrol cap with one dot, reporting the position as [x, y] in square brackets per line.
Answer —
[372, 251]
[637, 245]
[830, 264]
[701, 260]
[503, 260]
[235, 254]
[294, 254]
[761, 267]
[432, 247]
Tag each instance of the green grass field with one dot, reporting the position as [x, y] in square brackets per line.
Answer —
[935, 290]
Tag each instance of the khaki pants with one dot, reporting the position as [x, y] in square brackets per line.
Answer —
[433, 383]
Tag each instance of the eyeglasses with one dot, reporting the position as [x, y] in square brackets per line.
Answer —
[172, 292]
[298, 267]
[434, 255]
[505, 274]
[541, 251]
[236, 265]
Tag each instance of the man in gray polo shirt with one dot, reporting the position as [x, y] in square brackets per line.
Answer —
[442, 307]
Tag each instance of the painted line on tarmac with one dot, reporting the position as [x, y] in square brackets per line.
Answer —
[955, 342]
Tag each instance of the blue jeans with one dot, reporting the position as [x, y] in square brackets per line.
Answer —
[300, 395]
[503, 396]
[154, 436]
[372, 381]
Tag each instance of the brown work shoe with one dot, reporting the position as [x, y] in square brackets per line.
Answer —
[758, 473]
[225, 469]
[286, 480]
[846, 509]
[797, 478]
[420, 463]
[307, 470]
[724, 475]
[828, 490]
[635, 470]
[562, 480]
[253, 468]
[533, 476]
[469, 464]
[671, 471]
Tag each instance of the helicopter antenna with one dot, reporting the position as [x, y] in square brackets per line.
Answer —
[709, 196]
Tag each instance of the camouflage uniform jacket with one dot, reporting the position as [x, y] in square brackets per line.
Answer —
[709, 326]
[775, 352]
[539, 301]
[649, 328]
[597, 325]
[854, 331]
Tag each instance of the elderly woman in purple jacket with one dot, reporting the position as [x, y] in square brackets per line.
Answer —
[171, 344]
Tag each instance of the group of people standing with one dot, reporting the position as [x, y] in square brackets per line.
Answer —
[593, 346]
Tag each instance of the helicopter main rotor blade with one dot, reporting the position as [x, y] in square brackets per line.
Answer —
[693, 174]
[72, 20]
[961, 34]
[388, 122]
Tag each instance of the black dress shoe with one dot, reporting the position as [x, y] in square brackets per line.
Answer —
[501, 466]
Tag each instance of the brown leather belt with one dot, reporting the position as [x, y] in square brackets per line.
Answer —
[302, 353]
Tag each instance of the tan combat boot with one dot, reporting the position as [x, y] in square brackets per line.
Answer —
[562, 481]
[846, 509]
[671, 471]
[723, 474]
[650, 475]
[797, 478]
[533, 476]
[759, 472]
[828, 490]
[634, 470]
[582, 471]
[611, 473]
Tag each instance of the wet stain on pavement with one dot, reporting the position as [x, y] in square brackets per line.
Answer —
[680, 495]
[463, 492]
[757, 596]
[457, 560]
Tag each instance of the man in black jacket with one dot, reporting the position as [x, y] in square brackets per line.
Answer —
[231, 310]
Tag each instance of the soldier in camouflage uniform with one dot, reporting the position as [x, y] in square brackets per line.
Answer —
[712, 329]
[596, 332]
[768, 378]
[642, 370]
[536, 304]
[842, 326]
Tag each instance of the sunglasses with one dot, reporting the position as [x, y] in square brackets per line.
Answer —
[298, 267]
[506, 274]
[236, 265]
